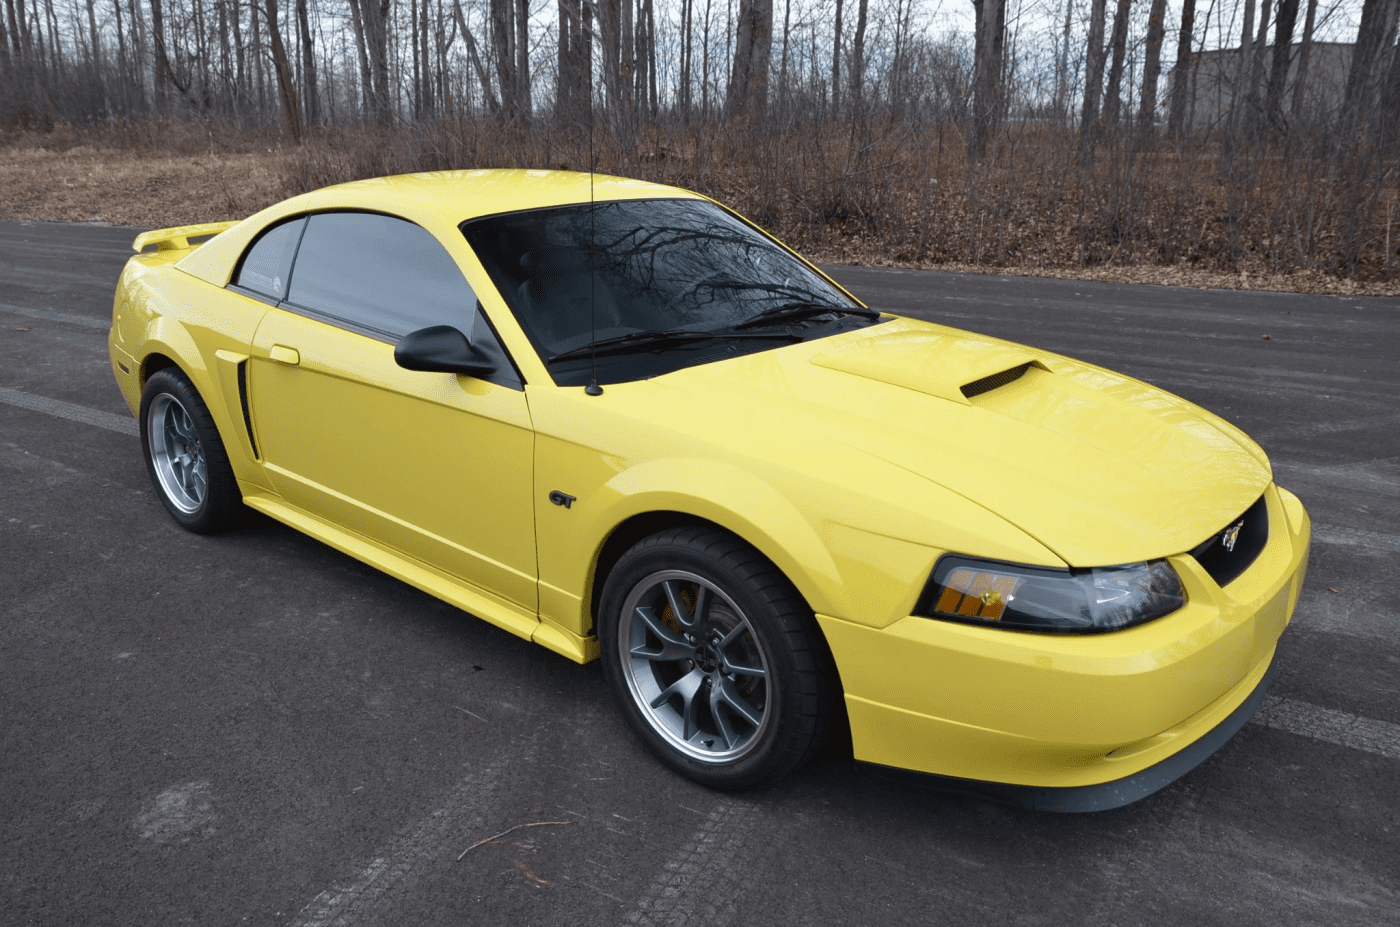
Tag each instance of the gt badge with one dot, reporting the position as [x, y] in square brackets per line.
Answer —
[1231, 536]
[561, 498]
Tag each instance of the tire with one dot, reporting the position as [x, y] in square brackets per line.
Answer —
[185, 457]
[715, 660]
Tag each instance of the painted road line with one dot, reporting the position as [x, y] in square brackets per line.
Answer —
[1369, 476]
[1327, 724]
[1355, 537]
[701, 884]
[70, 410]
[1315, 429]
[372, 896]
[49, 315]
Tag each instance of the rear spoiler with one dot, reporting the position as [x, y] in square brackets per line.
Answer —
[177, 239]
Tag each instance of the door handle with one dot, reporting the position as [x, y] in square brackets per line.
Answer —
[284, 355]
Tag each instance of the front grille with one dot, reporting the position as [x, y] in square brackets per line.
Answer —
[995, 381]
[1225, 564]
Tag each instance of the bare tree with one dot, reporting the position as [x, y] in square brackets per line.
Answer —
[858, 57]
[1093, 80]
[1119, 42]
[990, 30]
[1278, 72]
[1374, 37]
[1152, 66]
[308, 67]
[836, 59]
[1182, 72]
[1300, 83]
[753, 53]
[286, 87]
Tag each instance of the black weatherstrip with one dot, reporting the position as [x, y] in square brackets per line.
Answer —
[243, 399]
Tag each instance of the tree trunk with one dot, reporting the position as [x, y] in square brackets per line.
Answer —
[1283, 48]
[563, 71]
[1374, 37]
[1093, 80]
[836, 61]
[358, 27]
[687, 56]
[753, 53]
[1300, 82]
[308, 67]
[1112, 100]
[626, 69]
[858, 57]
[1152, 67]
[1062, 65]
[286, 88]
[492, 104]
[96, 60]
[503, 42]
[986, 74]
[1182, 72]
[522, 60]
[160, 66]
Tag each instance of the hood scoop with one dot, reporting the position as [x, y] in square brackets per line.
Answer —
[997, 380]
[950, 366]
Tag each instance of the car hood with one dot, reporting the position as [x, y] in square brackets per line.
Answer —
[1096, 466]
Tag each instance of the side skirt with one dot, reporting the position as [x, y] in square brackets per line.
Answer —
[436, 583]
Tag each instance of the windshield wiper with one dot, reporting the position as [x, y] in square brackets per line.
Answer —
[792, 312]
[650, 341]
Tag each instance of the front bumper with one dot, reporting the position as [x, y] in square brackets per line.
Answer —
[1137, 708]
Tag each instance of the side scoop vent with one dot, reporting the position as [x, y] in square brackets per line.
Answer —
[996, 380]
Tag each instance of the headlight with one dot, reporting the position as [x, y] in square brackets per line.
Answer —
[1028, 598]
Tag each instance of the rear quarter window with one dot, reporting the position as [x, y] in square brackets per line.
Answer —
[267, 264]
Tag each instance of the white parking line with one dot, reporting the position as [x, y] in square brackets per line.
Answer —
[49, 315]
[699, 884]
[70, 410]
[1335, 727]
[1355, 537]
[1372, 477]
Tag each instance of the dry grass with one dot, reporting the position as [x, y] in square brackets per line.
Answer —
[909, 200]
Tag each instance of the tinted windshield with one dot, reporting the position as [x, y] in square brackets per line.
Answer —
[577, 274]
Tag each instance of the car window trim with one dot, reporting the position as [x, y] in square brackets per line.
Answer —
[512, 378]
[238, 267]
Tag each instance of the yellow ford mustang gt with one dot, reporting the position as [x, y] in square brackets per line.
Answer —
[618, 420]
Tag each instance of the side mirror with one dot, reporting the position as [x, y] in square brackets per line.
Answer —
[442, 349]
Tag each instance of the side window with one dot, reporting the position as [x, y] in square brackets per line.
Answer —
[267, 264]
[379, 273]
[388, 277]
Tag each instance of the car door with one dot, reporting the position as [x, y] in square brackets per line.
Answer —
[434, 465]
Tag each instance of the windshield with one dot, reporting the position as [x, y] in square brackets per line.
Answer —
[577, 275]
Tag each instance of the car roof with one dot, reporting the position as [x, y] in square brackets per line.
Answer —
[434, 200]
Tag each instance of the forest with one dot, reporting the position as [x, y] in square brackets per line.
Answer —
[1244, 137]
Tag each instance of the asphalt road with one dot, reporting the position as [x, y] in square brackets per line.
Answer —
[255, 729]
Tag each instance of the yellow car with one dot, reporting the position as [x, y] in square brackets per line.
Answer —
[619, 420]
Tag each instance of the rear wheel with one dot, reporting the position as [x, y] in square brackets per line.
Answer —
[185, 457]
[715, 659]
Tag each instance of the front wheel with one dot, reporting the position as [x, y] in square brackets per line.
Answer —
[185, 457]
[715, 659]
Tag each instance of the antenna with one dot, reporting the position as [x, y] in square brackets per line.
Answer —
[592, 389]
